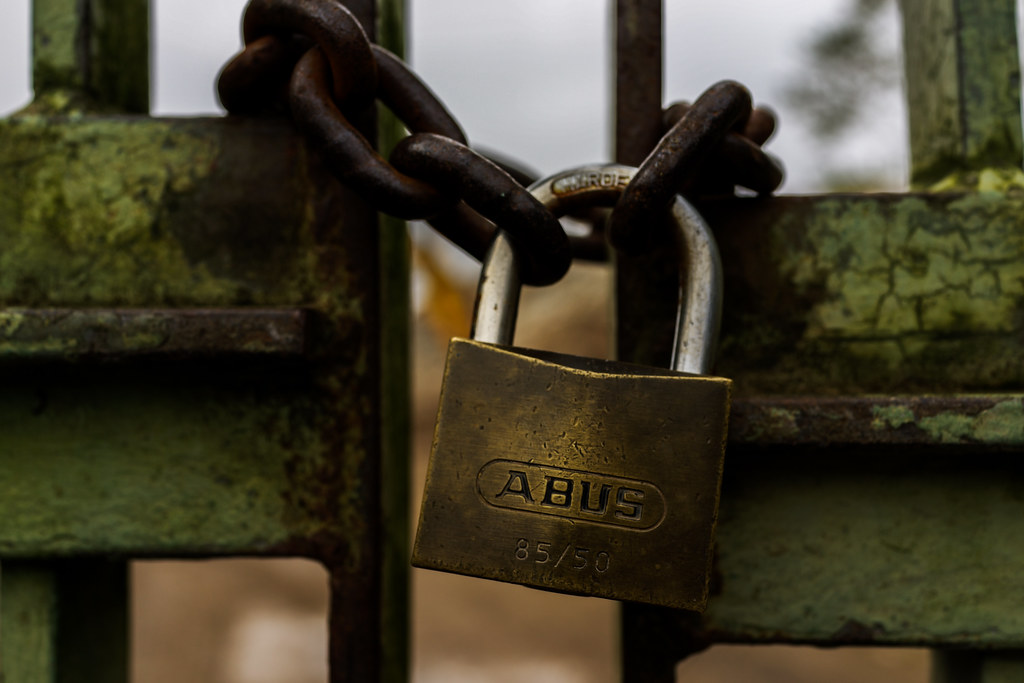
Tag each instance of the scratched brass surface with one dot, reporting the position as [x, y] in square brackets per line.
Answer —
[574, 474]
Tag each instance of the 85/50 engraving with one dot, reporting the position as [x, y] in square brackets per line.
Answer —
[570, 556]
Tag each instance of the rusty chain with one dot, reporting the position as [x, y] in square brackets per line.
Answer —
[312, 58]
[709, 125]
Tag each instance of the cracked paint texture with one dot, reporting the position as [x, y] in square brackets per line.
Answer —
[132, 212]
[874, 292]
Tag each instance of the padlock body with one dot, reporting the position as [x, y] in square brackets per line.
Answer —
[575, 475]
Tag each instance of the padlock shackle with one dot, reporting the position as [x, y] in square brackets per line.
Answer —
[700, 297]
[497, 294]
[700, 292]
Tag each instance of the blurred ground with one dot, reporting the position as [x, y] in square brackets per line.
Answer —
[264, 621]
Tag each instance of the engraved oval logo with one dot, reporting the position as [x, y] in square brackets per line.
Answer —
[574, 494]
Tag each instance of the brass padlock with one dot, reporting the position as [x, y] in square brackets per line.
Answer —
[574, 474]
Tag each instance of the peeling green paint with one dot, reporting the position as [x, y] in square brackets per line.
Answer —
[873, 292]
[101, 454]
[111, 212]
[891, 417]
[89, 211]
[997, 180]
[1003, 423]
[904, 269]
[134, 212]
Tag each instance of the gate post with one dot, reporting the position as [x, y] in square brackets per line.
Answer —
[203, 338]
[871, 482]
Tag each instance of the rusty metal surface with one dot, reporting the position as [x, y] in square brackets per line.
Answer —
[638, 75]
[162, 213]
[204, 457]
[738, 160]
[336, 31]
[349, 155]
[411, 100]
[210, 458]
[320, 90]
[113, 334]
[256, 80]
[165, 217]
[459, 171]
[673, 162]
[638, 102]
[842, 547]
[888, 518]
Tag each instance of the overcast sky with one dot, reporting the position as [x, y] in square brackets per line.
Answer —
[532, 78]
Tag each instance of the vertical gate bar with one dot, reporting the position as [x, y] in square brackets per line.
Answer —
[638, 56]
[962, 85]
[645, 317]
[962, 73]
[63, 621]
[644, 323]
[960, 666]
[96, 49]
[92, 623]
[396, 262]
[358, 640]
[28, 623]
[638, 78]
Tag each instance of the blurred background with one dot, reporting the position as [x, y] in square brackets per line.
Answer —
[531, 79]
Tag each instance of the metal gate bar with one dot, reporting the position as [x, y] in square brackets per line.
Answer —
[873, 477]
[202, 356]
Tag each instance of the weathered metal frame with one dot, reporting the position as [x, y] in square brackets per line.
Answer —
[203, 343]
[874, 341]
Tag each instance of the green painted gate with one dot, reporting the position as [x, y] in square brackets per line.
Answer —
[874, 486]
[202, 348]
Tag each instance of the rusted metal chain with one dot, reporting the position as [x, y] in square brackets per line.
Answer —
[320, 90]
[739, 160]
[256, 80]
[331, 26]
[347, 153]
[474, 233]
[411, 100]
[315, 55]
[680, 154]
[434, 151]
[541, 244]
[760, 126]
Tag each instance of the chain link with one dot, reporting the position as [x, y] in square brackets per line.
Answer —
[332, 27]
[739, 160]
[705, 127]
[540, 242]
[312, 58]
[347, 153]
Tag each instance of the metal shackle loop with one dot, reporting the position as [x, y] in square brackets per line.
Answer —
[700, 295]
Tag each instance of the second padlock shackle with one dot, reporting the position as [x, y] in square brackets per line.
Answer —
[700, 295]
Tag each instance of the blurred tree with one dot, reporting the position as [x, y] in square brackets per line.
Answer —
[848, 65]
[847, 90]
